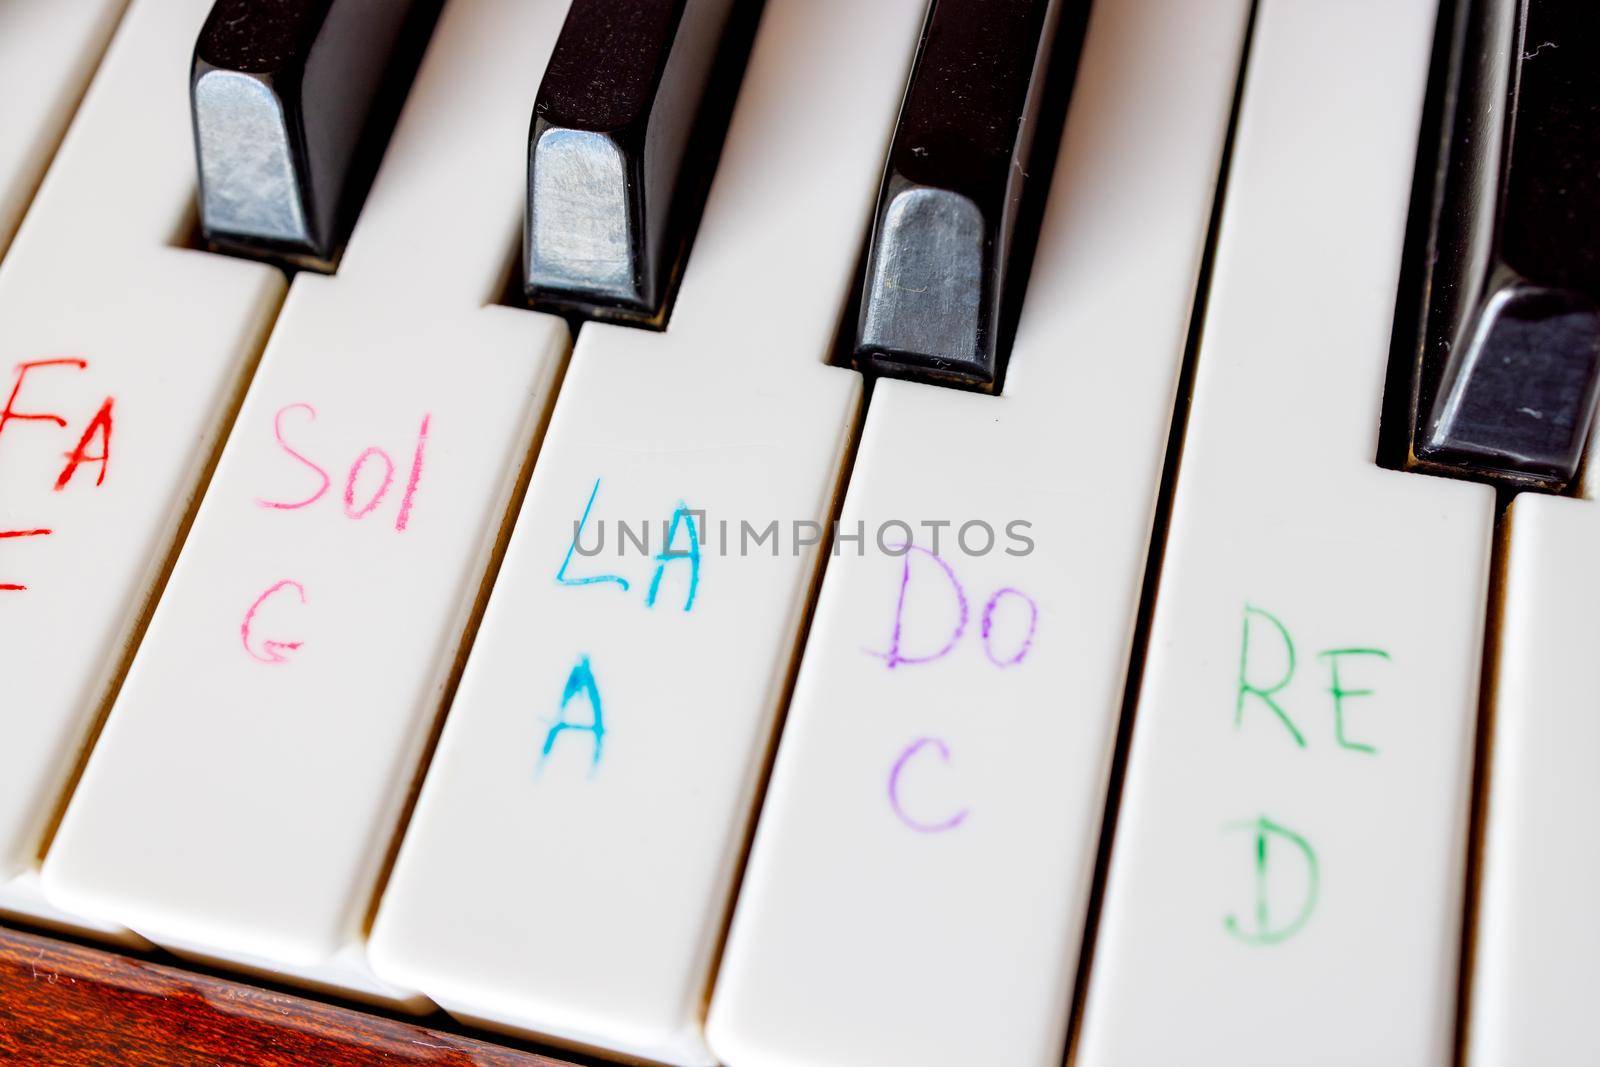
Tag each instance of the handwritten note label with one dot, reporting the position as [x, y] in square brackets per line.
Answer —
[577, 538]
[10, 535]
[1298, 875]
[89, 445]
[1271, 688]
[1267, 666]
[368, 482]
[676, 565]
[932, 616]
[580, 683]
[681, 542]
[268, 651]
[993, 616]
[1006, 628]
[921, 825]
[681, 519]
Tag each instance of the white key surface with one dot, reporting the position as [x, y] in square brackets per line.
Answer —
[242, 802]
[1535, 965]
[1286, 876]
[569, 866]
[934, 814]
[48, 52]
[121, 357]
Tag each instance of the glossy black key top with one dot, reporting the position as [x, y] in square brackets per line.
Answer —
[283, 92]
[1510, 360]
[945, 228]
[609, 151]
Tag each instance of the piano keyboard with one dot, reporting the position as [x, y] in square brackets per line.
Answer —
[798, 532]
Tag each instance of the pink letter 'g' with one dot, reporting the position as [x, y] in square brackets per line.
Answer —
[271, 651]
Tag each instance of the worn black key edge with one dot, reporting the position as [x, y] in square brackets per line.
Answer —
[652, 91]
[1507, 356]
[957, 182]
[300, 61]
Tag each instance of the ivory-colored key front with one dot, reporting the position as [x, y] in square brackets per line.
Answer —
[1535, 968]
[243, 799]
[933, 818]
[121, 356]
[570, 863]
[48, 52]
[1286, 876]
[1534, 965]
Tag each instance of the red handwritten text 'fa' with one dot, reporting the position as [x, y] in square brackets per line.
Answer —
[93, 440]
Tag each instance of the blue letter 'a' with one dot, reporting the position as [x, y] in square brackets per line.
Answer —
[670, 555]
[581, 680]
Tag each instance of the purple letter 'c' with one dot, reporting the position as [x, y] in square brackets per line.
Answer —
[894, 789]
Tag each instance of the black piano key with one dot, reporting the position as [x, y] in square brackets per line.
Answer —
[1509, 370]
[609, 153]
[944, 234]
[283, 94]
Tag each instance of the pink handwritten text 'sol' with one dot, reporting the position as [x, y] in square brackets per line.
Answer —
[361, 498]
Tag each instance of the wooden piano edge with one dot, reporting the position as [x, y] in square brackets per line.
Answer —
[64, 1003]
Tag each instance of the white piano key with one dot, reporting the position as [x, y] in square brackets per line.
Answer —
[933, 821]
[242, 802]
[121, 357]
[48, 51]
[1286, 877]
[1535, 967]
[569, 866]
[1534, 960]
